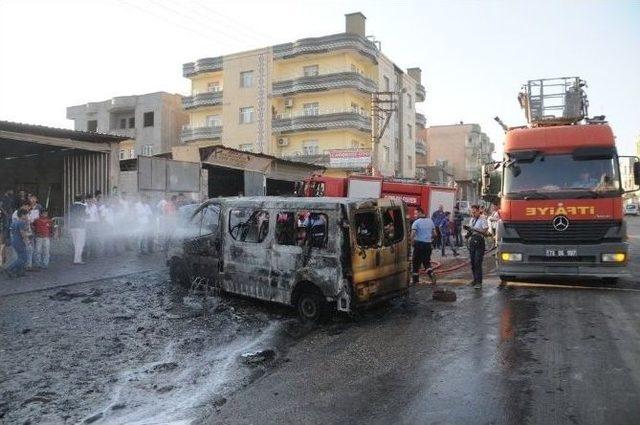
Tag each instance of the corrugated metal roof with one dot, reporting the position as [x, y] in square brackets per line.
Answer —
[63, 133]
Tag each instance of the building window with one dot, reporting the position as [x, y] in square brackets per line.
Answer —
[246, 79]
[247, 147]
[213, 121]
[355, 68]
[310, 71]
[409, 101]
[310, 147]
[246, 115]
[214, 86]
[132, 122]
[355, 144]
[386, 155]
[92, 125]
[396, 144]
[123, 123]
[311, 109]
[148, 119]
[122, 153]
[147, 150]
[410, 161]
[132, 153]
[357, 109]
[409, 131]
[387, 87]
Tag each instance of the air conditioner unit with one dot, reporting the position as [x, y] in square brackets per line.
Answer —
[288, 103]
[283, 141]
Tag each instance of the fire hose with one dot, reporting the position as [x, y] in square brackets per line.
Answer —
[435, 266]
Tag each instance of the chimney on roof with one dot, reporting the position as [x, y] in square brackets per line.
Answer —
[355, 23]
[416, 74]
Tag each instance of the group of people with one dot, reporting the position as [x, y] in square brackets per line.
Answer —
[25, 233]
[109, 226]
[437, 231]
[98, 226]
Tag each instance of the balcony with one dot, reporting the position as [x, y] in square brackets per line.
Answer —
[346, 159]
[209, 98]
[320, 159]
[322, 120]
[421, 93]
[326, 44]
[191, 133]
[335, 79]
[124, 132]
[202, 65]
[123, 103]
[421, 120]
[421, 147]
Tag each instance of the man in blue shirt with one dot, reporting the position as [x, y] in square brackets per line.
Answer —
[19, 230]
[422, 234]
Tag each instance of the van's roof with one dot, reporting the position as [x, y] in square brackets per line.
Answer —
[299, 202]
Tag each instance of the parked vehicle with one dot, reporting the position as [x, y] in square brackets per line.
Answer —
[311, 253]
[561, 202]
[631, 209]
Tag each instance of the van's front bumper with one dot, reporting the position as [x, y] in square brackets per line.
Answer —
[586, 263]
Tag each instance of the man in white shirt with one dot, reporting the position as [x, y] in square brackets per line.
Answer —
[143, 215]
[478, 229]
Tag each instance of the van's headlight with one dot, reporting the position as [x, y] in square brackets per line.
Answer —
[510, 256]
[614, 257]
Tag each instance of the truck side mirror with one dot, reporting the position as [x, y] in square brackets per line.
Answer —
[636, 173]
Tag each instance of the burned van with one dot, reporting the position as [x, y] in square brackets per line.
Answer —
[311, 253]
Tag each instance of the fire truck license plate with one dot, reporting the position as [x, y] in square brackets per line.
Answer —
[561, 253]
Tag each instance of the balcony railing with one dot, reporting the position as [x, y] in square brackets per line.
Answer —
[210, 98]
[421, 93]
[328, 81]
[325, 44]
[421, 147]
[191, 133]
[322, 120]
[122, 103]
[202, 65]
[317, 159]
[421, 120]
[124, 132]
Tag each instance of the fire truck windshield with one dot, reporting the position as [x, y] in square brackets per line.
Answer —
[556, 176]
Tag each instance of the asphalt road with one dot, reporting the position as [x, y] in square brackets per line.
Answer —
[566, 354]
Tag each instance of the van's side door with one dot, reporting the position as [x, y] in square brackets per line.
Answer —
[248, 234]
[393, 252]
[365, 252]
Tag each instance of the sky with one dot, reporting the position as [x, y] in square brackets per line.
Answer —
[474, 55]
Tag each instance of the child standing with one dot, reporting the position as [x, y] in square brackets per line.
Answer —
[43, 227]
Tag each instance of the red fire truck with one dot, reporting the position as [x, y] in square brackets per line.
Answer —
[413, 193]
[561, 189]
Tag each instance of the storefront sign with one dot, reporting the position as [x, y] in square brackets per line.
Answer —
[345, 158]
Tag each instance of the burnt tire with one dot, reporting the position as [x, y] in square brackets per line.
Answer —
[179, 273]
[311, 306]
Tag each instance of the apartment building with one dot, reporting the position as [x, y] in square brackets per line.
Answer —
[461, 149]
[152, 121]
[309, 100]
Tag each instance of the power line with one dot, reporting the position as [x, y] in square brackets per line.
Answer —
[206, 27]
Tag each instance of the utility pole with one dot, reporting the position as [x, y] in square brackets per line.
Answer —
[383, 105]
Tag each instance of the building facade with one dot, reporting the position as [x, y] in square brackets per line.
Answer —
[309, 100]
[152, 121]
[461, 149]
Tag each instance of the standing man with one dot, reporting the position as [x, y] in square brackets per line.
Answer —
[478, 229]
[458, 218]
[19, 237]
[77, 228]
[494, 219]
[437, 217]
[422, 231]
[43, 228]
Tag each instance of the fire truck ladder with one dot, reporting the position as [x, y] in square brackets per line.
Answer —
[554, 101]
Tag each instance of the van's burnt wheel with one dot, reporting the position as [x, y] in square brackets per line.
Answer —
[311, 306]
[179, 273]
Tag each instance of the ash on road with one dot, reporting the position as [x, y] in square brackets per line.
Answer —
[134, 351]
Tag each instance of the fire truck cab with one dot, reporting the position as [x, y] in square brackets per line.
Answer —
[561, 191]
